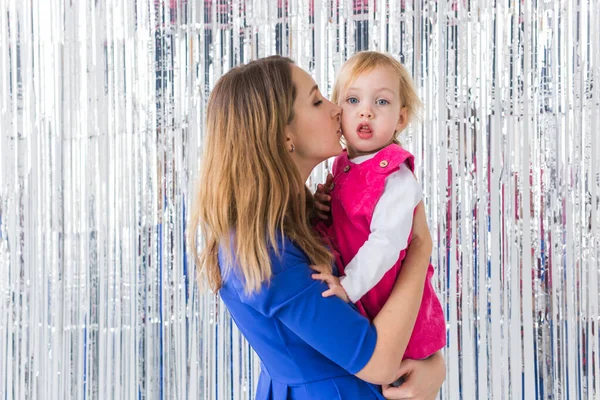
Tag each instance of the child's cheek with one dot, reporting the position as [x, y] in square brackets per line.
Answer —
[346, 120]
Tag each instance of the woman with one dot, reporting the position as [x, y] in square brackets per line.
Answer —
[268, 126]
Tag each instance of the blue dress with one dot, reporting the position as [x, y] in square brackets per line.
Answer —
[310, 347]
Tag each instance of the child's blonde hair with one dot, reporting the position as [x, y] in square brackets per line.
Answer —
[367, 61]
[250, 189]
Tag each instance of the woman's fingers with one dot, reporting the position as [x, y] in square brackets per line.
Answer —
[328, 181]
[322, 197]
[322, 215]
[322, 189]
[321, 200]
[423, 379]
[406, 367]
[326, 187]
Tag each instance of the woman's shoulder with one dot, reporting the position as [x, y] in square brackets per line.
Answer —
[282, 252]
[290, 274]
[286, 254]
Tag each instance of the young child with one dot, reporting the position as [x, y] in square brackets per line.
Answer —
[374, 194]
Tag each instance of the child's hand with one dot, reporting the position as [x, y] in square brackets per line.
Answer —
[322, 198]
[335, 287]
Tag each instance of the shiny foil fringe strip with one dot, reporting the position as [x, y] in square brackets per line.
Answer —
[101, 122]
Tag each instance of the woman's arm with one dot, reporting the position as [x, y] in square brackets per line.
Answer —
[395, 321]
[373, 352]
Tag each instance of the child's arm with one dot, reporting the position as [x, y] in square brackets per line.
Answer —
[390, 230]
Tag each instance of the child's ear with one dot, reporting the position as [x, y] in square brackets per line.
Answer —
[402, 119]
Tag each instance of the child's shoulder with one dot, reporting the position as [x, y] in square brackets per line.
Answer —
[397, 150]
[393, 156]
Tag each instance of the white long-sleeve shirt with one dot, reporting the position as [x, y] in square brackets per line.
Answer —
[390, 229]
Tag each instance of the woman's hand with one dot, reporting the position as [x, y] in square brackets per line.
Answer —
[322, 199]
[424, 379]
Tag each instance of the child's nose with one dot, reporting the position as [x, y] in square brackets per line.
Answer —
[366, 113]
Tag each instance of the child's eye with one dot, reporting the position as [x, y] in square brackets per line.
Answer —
[352, 100]
[382, 102]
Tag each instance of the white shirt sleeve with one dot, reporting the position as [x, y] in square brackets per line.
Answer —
[390, 228]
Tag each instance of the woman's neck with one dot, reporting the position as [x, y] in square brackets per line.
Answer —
[305, 169]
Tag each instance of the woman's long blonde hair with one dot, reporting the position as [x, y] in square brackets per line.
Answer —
[250, 191]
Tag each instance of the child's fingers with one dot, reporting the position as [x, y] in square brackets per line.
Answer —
[328, 278]
[321, 276]
[328, 293]
[317, 274]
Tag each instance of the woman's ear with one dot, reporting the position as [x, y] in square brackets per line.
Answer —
[402, 119]
[289, 138]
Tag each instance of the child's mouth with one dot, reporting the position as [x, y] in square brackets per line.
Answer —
[364, 131]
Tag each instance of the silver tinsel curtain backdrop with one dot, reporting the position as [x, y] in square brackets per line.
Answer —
[101, 124]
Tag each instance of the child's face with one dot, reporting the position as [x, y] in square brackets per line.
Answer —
[372, 111]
